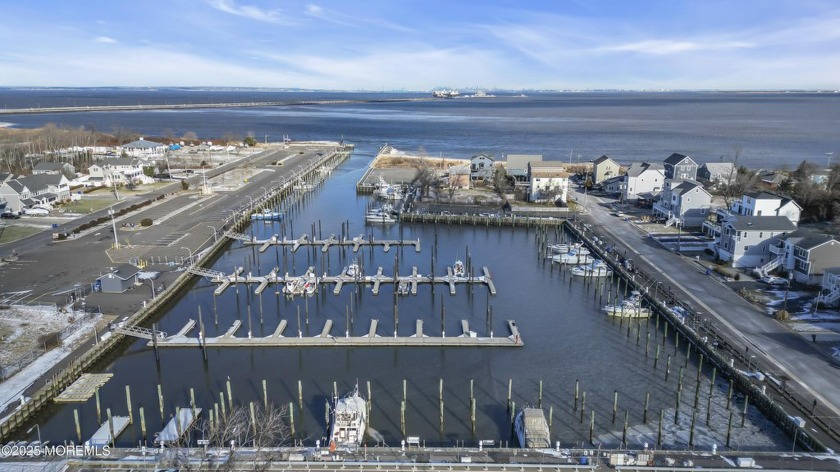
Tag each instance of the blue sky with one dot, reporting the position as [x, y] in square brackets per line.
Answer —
[419, 45]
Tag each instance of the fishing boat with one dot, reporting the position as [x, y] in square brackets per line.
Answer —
[348, 417]
[458, 269]
[559, 248]
[630, 307]
[381, 215]
[402, 288]
[597, 268]
[386, 191]
[294, 286]
[532, 429]
[267, 215]
[573, 257]
[310, 283]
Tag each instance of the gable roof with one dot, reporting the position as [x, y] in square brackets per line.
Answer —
[17, 186]
[547, 164]
[807, 239]
[520, 161]
[637, 168]
[718, 167]
[123, 271]
[142, 144]
[49, 166]
[486, 156]
[36, 182]
[603, 159]
[676, 158]
[761, 223]
[685, 186]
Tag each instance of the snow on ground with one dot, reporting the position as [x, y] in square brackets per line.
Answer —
[22, 325]
[12, 388]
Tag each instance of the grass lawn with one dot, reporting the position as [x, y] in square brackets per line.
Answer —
[87, 205]
[9, 233]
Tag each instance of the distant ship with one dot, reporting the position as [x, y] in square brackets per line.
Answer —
[445, 93]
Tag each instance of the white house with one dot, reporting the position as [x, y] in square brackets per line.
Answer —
[117, 171]
[750, 241]
[548, 181]
[765, 203]
[604, 168]
[144, 149]
[642, 177]
[716, 173]
[683, 202]
[26, 192]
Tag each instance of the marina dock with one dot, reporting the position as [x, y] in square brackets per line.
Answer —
[104, 436]
[325, 244]
[377, 280]
[324, 338]
[180, 423]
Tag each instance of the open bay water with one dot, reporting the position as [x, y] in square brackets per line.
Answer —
[567, 338]
[771, 130]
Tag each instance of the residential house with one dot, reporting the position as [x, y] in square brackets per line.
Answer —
[481, 168]
[517, 165]
[642, 177]
[772, 179]
[717, 173]
[683, 202]
[548, 181]
[604, 168]
[680, 166]
[16, 195]
[830, 284]
[750, 241]
[614, 186]
[119, 279]
[458, 177]
[26, 192]
[807, 255]
[54, 168]
[144, 149]
[118, 171]
[765, 203]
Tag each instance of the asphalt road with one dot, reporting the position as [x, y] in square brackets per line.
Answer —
[775, 349]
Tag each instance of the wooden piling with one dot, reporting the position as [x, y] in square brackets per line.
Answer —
[577, 390]
[402, 418]
[98, 407]
[229, 396]
[655, 356]
[624, 431]
[472, 415]
[677, 407]
[253, 418]
[160, 402]
[292, 418]
[539, 401]
[691, 429]
[668, 367]
[440, 396]
[222, 403]
[111, 436]
[647, 403]
[143, 423]
[369, 402]
[582, 405]
[591, 426]
[79, 426]
[510, 390]
[659, 432]
[128, 404]
[729, 395]
[729, 429]
[300, 394]
[615, 405]
[746, 408]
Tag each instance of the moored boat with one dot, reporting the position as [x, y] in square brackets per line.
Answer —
[597, 268]
[458, 269]
[532, 429]
[353, 269]
[573, 257]
[630, 307]
[382, 215]
[267, 215]
[348, 417]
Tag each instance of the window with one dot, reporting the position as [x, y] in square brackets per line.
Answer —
[746, 248]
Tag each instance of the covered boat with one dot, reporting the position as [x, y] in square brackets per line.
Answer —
[532, 429]
[630, 307]
[348, 417]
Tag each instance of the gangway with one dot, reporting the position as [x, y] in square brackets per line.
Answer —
[202, 272]
[138, 332]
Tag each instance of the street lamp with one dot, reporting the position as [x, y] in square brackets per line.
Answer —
[38, 428]
[215, 238]
[190, 251]
[114, 225]
[749, 363]
[152, 281]
[265, 192]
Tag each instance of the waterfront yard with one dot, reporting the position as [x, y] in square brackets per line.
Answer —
[9, 233]
[88, 204]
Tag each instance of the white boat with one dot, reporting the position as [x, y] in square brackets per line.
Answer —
[573, 257]
[402, 288]
[597, 268]
[629, 308]
[353, 269]
[458, 269]
[294, 286]
[348, 417]
[380, 215]
[532, 429]
[267, 215]
[563, 248]
[310, 283]
[386, 191]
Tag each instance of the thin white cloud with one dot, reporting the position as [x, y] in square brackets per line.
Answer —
[248, 11]
[668, 46]
[333, 16]
[105, 40]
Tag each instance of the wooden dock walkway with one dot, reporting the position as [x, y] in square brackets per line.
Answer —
[486, 221]
[342, 279]
[325, 339]
[108, 431]
[325, 244]
[83, 388]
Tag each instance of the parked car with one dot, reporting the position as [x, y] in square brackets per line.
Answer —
[773, 280]
[37, 211]
[10, 215]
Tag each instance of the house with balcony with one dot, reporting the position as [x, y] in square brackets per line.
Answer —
[830, 285]
[604, 168]
[481, 168]
[807, 255]
[548, 182]
[766, 203]
[684, 203]
[642, 178]
[753, 241]
[680, 166]
[143, 148]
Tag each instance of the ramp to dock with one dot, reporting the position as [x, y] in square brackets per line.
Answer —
[172, 432]
[372, 331]
[230, 333]
[325, 333]
[187, 328]
[278, 333]
[103, 436]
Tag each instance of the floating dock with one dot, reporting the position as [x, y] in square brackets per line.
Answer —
[324, 338]
[262, 281]
[325, 244]
[177, 426]
[83, 388]
[103, 436]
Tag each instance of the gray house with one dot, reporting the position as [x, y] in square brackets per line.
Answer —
[119, 280]
[680, 166]
[752, 241]
[683, 202]
[808, 255]
[54, 168]
[716, 173]
[481, 168]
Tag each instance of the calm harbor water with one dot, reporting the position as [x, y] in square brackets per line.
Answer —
[771, 129]
[567, 337]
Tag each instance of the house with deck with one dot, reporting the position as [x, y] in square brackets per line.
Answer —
[144, 149]
[642, 178]
[751, 241]
[604, 168]
[548, 182]
[680, 166]
[684, 203]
